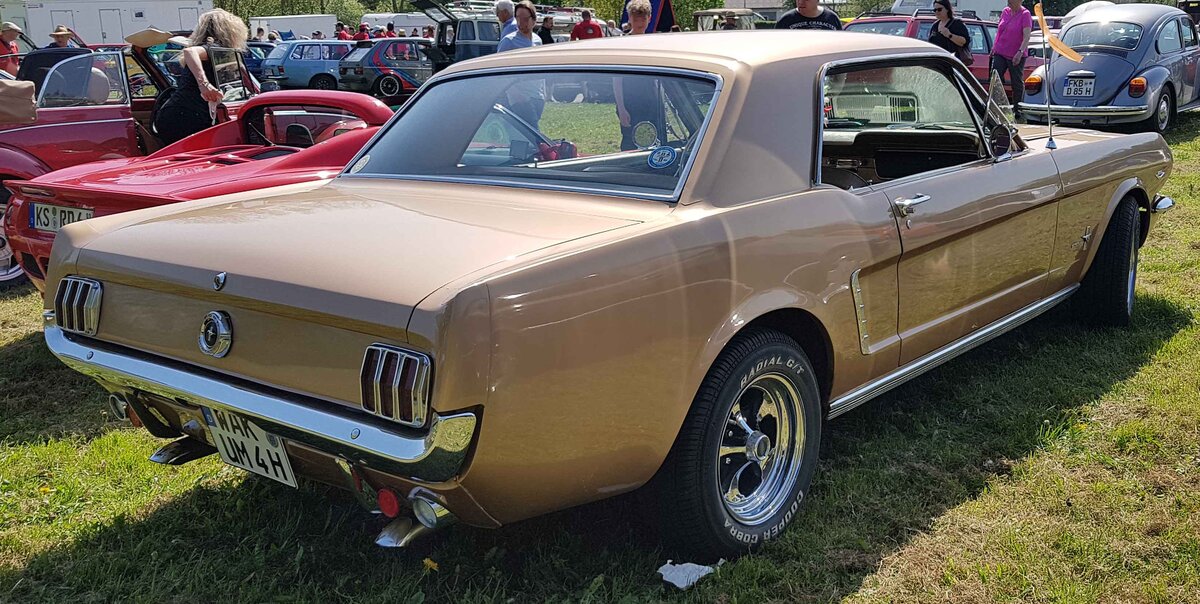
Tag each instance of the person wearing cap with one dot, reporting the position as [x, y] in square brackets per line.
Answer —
[62, 37]
[9, 32]
[363, 32]
[317, 35]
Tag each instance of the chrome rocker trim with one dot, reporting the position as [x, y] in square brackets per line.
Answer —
[1069, 111]
[870, 390]
[435, 456]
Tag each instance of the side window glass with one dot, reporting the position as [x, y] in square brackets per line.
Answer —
[489, 31]
[978, 44]
[227, 66]
[1168, 38]
[312, 52]
[297, 52]
[883, 123]
[991, 34]
[334, 52]
[141, 85]
[1189, 31]
[466, 30]
[86, 81]
[923, 30]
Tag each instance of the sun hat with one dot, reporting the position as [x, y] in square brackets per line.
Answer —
[61, 30]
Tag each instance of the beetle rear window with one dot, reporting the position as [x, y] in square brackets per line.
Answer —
[1115, 34]
[603, 132]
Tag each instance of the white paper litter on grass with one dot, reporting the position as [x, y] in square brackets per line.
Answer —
[687, 574]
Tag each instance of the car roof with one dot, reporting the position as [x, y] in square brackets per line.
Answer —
[1136, 13]
[692, 49]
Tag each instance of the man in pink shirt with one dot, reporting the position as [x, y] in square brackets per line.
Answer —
[1008, 53]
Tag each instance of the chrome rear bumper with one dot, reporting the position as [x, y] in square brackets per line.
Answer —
[435, 455]
[1071, 112]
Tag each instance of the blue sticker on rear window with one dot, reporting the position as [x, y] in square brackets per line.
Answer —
[662, 157]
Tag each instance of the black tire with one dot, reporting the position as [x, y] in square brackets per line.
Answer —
[11, 273]
[1105, 298]
[389, 86]
[696, 516]
[1163, 116]
[323, 81]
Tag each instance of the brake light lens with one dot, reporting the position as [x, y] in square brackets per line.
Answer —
[1137, 86]
[358, 70]
[1033, 84]
[36, 192]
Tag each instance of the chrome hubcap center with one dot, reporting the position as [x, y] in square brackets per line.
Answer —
[758, 447]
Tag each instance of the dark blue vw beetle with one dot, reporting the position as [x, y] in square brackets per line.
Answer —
[1139, 66]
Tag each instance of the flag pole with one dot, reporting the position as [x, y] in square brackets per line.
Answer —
[1049, 54]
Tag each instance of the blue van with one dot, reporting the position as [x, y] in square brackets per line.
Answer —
[306, 63]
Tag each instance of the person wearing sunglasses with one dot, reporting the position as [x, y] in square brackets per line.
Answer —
[948, 32]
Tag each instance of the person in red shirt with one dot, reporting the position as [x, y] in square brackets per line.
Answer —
[587, 29]
[339, 31]
[9, 32]
[363, 33]
[391, 31]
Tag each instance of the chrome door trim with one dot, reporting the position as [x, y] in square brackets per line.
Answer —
[870, 390]
[860, 313]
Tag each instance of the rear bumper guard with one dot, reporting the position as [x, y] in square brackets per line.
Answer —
[433, 456]
[1080, 113]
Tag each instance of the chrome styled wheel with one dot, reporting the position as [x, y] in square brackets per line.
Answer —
[1162, 115]
[759, 456]
[10, 269]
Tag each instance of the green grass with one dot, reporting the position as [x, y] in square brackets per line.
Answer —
[1056, 464]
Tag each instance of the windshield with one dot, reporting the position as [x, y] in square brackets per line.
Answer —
[891, 28]
[1116, 34]
[549, 130]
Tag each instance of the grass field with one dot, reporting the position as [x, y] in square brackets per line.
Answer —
[1056, 464]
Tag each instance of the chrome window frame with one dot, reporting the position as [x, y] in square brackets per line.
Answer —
[672, 197]
[969, 94]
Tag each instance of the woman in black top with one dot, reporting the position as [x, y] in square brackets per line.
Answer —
[186, 111]
[948, 32]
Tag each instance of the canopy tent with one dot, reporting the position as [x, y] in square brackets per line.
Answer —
[662, 16]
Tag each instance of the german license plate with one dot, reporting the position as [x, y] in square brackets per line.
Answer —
[1079, 87]
[244, 445]
[46, 217]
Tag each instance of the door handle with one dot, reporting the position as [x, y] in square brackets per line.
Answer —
[906, 205]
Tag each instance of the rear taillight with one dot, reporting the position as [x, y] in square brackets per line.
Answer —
[1137, 86]
[280, 70]
[395, 384]
[341, 71]
[36, 192]
[1033, 84]
[358, 71]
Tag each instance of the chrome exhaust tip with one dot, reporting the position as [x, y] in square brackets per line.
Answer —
[119, 406]
[429, 512]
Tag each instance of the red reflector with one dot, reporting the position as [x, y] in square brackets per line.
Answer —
[389, 502]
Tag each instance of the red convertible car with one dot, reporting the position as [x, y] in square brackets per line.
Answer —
[93, 105]
[279, 138]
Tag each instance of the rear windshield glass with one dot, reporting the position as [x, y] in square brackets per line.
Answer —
[280, 51]
[356, 54]
[557, 129]
[1116, 34]
[891, 28]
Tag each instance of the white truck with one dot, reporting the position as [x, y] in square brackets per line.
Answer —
[404, 22]
[297, 26]
[106, 22]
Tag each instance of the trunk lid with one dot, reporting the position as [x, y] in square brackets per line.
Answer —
[1110, 71]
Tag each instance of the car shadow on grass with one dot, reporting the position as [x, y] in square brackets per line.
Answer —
[889, 470]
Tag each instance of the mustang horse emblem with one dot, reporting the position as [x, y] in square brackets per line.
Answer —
[216, 334]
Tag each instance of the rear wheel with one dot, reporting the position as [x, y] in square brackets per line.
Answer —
[389, 86]
[1164, 113]
[10, 270]
[323, 81]
[1106, 295]
[747, 451]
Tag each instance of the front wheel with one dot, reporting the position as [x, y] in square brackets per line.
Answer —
[389, 86]
[747, 451]
[10, 270]
[1105, 297]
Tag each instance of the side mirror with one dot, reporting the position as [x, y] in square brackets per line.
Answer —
[1000, 140]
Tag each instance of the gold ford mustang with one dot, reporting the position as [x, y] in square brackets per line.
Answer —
[561, 274]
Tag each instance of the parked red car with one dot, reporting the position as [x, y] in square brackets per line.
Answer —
[92, 105]
[919, 24]
[280, 138]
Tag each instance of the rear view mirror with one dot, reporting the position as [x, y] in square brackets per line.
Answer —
[17, 104]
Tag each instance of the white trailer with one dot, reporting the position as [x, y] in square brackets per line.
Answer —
[106, 22]
[403, 21]
[301, 26]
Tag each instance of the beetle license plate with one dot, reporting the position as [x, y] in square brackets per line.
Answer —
[46, 217]
[244, 445]
[1079, 87]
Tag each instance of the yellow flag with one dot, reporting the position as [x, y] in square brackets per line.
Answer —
[1058, 45]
